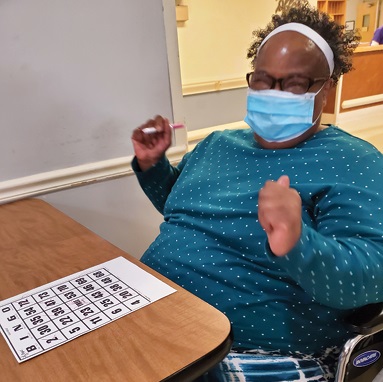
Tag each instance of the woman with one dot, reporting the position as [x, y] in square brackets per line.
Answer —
[278, 225]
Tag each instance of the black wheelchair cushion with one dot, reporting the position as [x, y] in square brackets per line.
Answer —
[367, 319]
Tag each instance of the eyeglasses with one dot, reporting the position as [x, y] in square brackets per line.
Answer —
[295, 83]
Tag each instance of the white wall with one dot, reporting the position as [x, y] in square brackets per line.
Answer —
[76, 78]
[351, 9]
[116, 209]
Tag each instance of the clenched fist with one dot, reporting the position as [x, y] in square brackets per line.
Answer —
[149, 148]
[280, 215]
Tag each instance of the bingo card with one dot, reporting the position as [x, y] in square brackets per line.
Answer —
[55, 313]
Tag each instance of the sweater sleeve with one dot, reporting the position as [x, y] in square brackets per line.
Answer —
[338, 261]
[157, 182]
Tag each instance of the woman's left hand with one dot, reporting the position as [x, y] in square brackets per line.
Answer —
[280, 215]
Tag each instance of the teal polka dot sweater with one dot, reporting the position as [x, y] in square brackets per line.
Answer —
[212, 244]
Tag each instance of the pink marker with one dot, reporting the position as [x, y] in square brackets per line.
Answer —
[153, 130]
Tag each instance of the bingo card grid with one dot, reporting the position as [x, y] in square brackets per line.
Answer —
[46, 317]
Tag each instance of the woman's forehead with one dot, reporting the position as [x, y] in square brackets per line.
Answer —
[288, 50]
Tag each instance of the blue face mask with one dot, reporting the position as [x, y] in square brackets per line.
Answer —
[278, 116]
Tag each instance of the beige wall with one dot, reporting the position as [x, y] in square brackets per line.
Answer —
[352, 10]
[213, 43]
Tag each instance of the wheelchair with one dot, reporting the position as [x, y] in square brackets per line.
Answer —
[361, 359]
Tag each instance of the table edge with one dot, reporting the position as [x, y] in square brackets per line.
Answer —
[200, 366]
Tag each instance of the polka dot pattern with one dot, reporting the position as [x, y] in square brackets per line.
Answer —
[211, 242]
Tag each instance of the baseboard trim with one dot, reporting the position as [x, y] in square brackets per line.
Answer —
[213, 86]
[363, 101]
[52, 181]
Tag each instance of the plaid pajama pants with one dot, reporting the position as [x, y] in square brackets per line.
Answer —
[271, 367]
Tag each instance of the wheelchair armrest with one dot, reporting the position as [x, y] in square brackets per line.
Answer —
[367, 319]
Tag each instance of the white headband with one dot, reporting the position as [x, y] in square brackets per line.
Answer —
[311, 34]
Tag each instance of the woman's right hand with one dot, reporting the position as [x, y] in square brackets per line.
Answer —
[150, 148]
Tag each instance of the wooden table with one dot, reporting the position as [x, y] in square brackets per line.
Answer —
[176, 338]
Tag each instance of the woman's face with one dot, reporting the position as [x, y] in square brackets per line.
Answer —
[291, 53]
